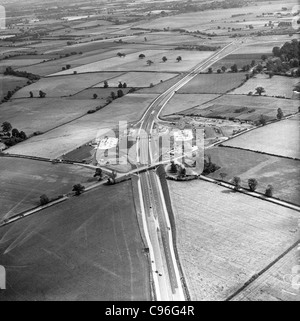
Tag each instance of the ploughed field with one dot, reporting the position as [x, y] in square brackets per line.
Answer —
[224, 238]
[89, 248]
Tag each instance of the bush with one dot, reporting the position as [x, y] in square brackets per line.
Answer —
[44, 200]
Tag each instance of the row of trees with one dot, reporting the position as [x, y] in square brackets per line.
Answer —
[252, 183]
[164, 59]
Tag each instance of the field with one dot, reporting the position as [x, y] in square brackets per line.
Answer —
[282, 174]
[132, 62]
[244, 108]
[31, 115]
[213, 83]
[196, 20]
[224, 238]
[8, 83]
[139, 79]
[276, 283]
[15, 63]
[102, 93]
[23, 181]
[80, 250]
[241, 59]
[79, 132]
[160, 88]
[281, 138]
[276, 86]
[64, 86]
[181, 102]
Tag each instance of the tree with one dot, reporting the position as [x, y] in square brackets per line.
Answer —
[15, 133]
[276, 51]
[124, 85]
[259, 68]
[142, 56]
[78, 189]
[253, 63]
[224, 68]
[44, 199]
[219, 71]
[269, 191]
[234, 68]
[22, 135]
[252, 182]
[173, 168]
[179, 58]
[264, 57]
[68, 67]
[95, 96]
[236, 182]
[210, 71]
[164, 58]
[42, 94]
[260, 90]
[223, 176]
[120, 85]
[99, 173]
[113, 95]
[31, 94]
[105, 84]
[271, 74]
[262, 120]
[120, 93]
[279, 114]
[6, 127]
[150, 62]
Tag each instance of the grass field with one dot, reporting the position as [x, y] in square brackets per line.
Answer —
[139, 79]
[132, 62]
[281, 138]
[276, 283]
[8, 83]
[224, 238]
[282, 174]
[23, 181]
[276, 86]
[31, 115]
[248, 108]
[213, 83]
[66, 138]
[160, 88]
[181, 102]
[84, 249]
[64, 86]
[102, 93]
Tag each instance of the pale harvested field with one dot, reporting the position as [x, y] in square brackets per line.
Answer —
[138, 79]
[213, 83]
[276, 284]
[276, 86]
[31, 115]
[281, 138]
[63, 86]
[224, 238]
[23, 181]
[75, 134]
[132, 62]
[194, 21]
[83, 249]
[181, 102]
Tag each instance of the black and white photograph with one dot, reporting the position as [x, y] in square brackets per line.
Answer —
[149, 153]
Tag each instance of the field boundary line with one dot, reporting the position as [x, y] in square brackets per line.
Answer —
[257, 275]
[258, 195]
